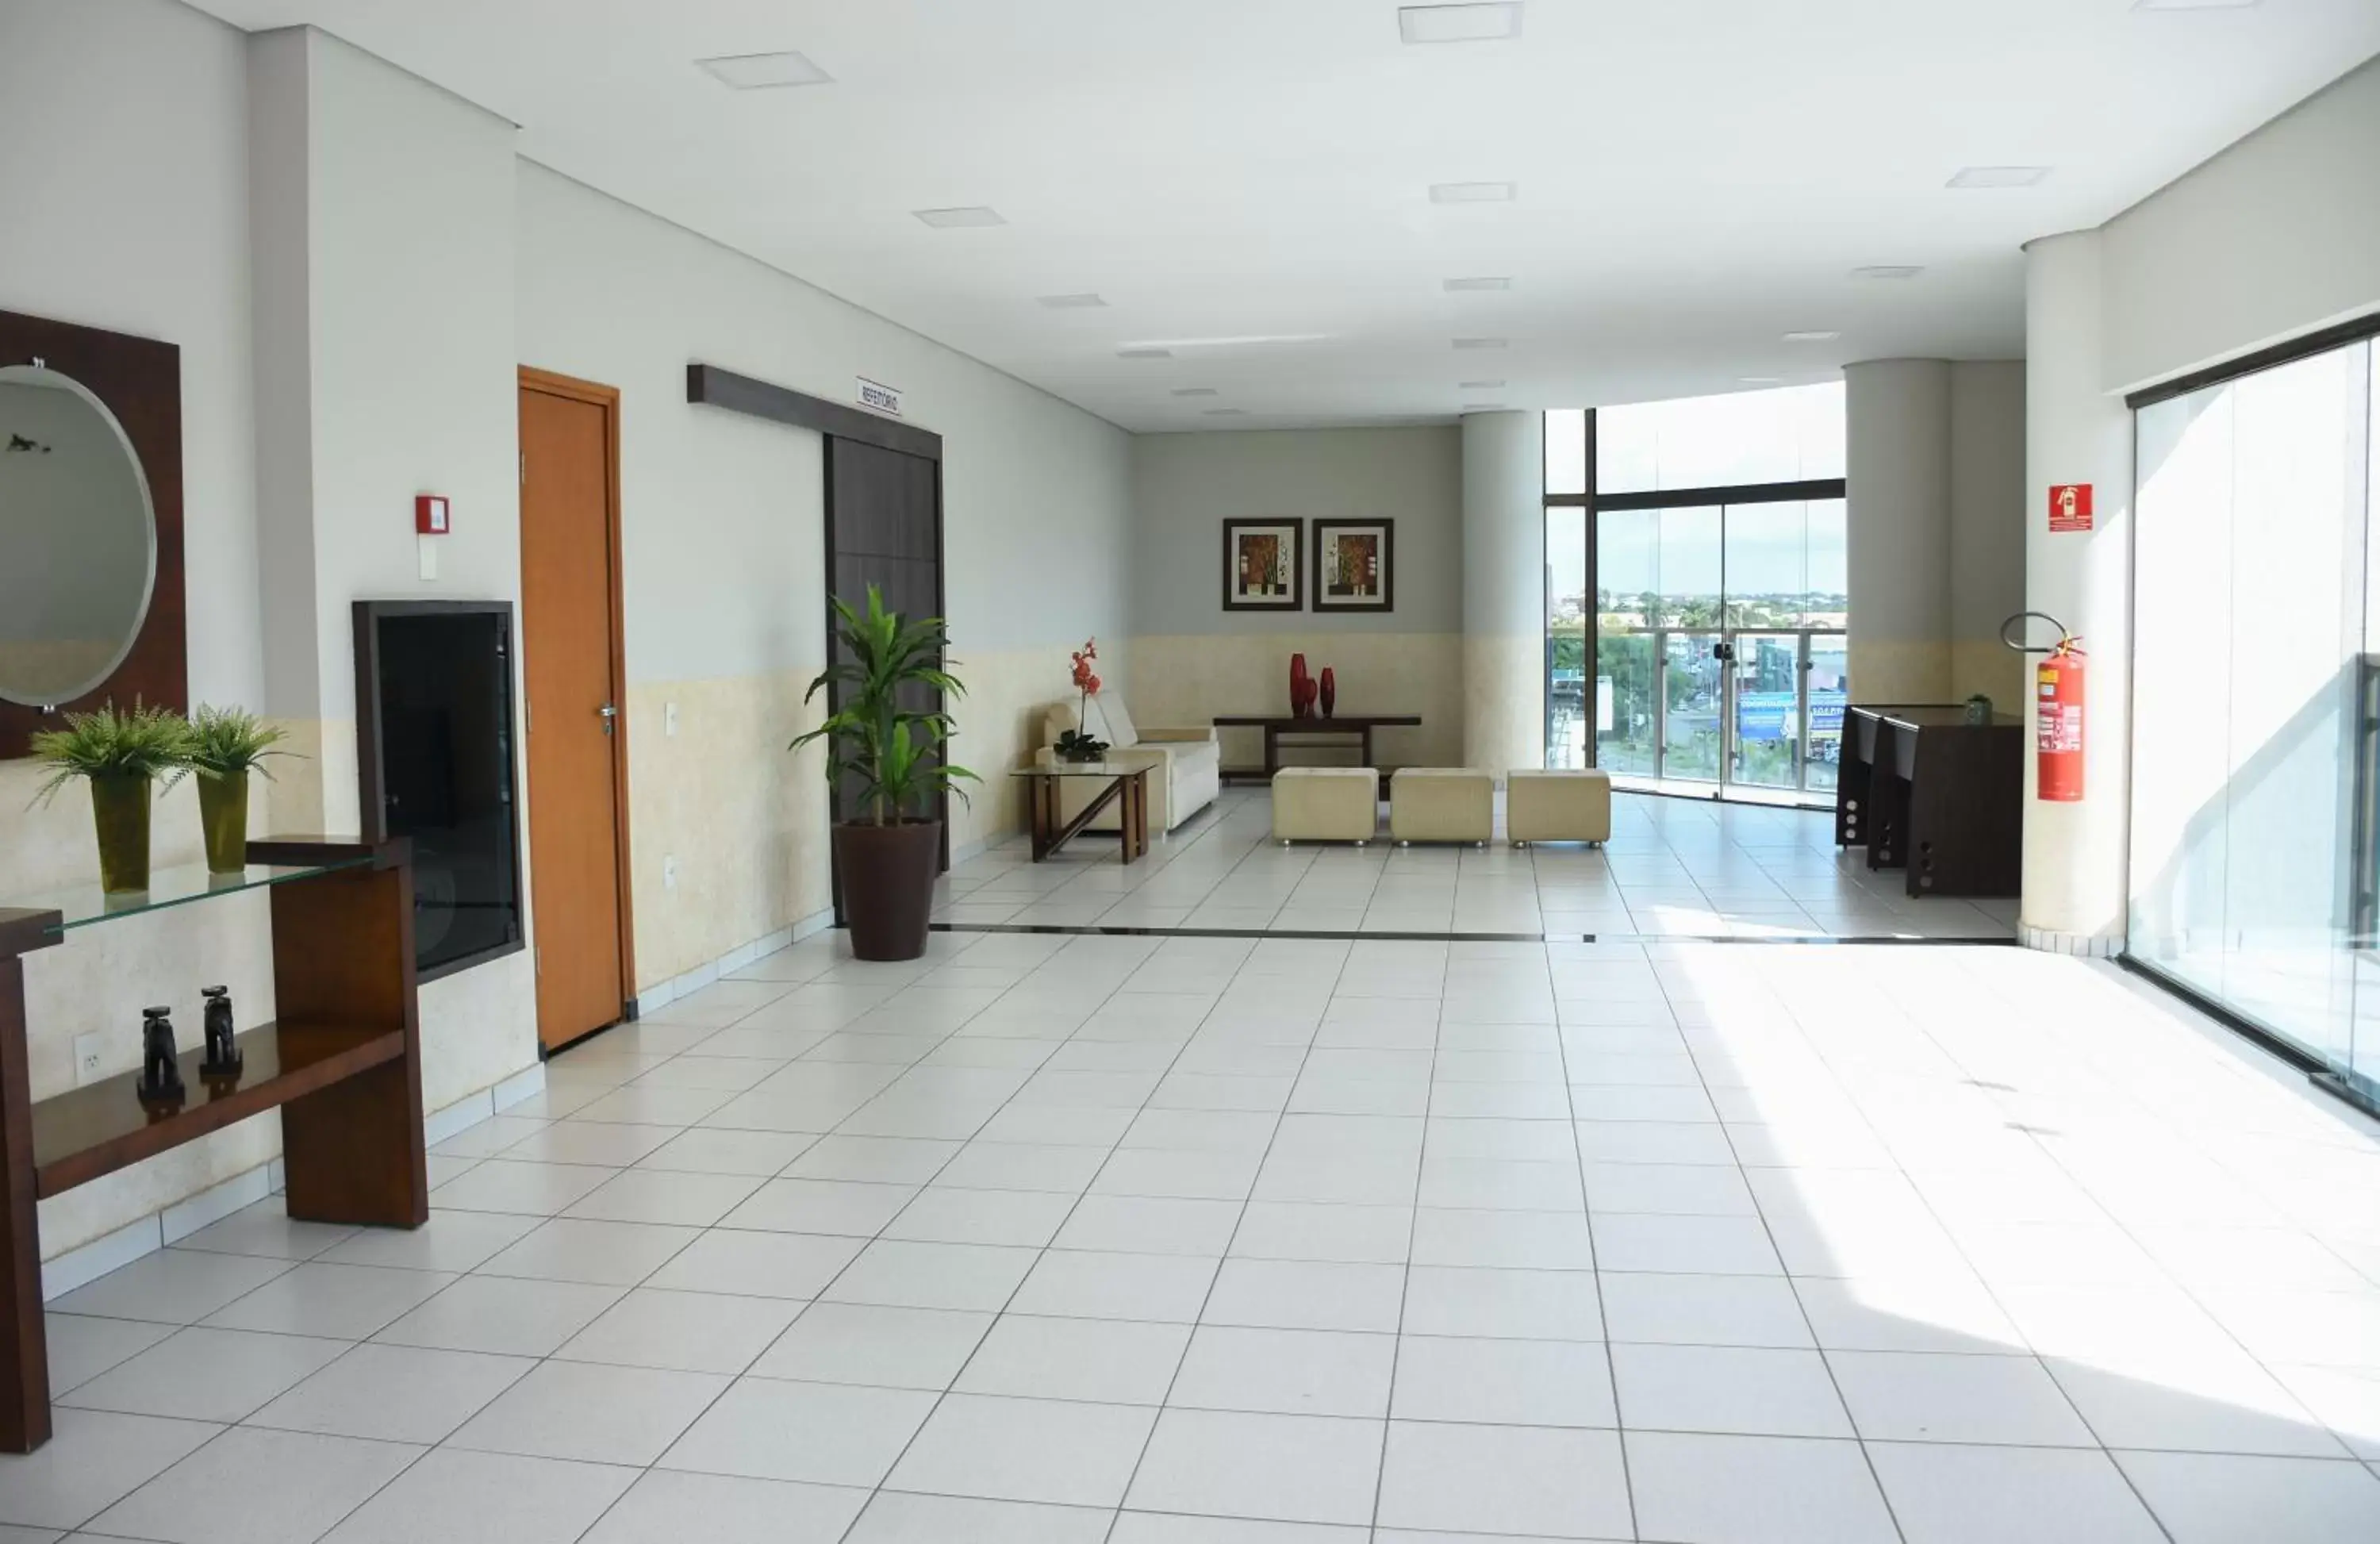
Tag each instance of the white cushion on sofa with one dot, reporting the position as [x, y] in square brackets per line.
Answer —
[1122, 732]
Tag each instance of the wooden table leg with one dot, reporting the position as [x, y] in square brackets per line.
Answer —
[1038, 793]
[1134, 820]
[342, 955]
[24, 1337]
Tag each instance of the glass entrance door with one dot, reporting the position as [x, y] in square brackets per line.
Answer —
[1694, 706]
[1767, 678]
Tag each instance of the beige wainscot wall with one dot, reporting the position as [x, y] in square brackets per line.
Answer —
[1190, 678]
[999, 728]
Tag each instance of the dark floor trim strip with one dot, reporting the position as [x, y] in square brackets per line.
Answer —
[2317, 1072]
[1088, 929]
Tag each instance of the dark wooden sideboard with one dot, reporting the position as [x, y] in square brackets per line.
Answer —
[341, 1062]
[1927, 792]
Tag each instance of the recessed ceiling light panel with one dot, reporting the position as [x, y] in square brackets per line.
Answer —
[1812, 337]
[1072, 302]
[1483, 385]
[964, 217]
[1195, 391]
[1477, 286]
[1471, 344]
[1888, 270]
[2195, 5]
[1473, 192]
[753, 72]
[1471, 24]
[1227, 412]
[1483, 408]
[1144, 353]
[1760, 379]
[1998, 176]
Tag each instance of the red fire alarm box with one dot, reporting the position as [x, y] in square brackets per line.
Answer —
[431, 515]
[2070, 506]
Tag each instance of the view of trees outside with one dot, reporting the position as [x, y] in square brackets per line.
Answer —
[1679, 582]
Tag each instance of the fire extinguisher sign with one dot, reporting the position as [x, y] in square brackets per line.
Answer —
[2070, 506]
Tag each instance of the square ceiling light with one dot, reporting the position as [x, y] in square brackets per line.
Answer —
[1483, 385]
[1812, 337]
[1485, 22]
[1998, 176]
[1195, 391]
[1473, 192]
[1477, 287]
[1888, 270]
[755, 72]
[1083, 302]
[966, 218]
[1144, 353]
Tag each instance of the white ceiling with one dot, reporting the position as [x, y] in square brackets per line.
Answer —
[1696, 177]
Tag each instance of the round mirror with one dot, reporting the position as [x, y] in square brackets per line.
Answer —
[78, 538]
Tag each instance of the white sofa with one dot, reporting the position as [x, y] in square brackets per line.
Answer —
[1185, 765]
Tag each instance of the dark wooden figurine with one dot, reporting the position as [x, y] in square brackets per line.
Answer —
[222, 1058]
[161, 1074]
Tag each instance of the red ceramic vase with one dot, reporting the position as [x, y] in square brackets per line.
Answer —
[1330, 689]
[1301, 687]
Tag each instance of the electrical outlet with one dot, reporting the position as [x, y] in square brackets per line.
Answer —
[91, 1051]
[669, 872]
[668, 721]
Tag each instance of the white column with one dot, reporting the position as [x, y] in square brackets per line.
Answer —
[1503, 591]
[2078, 431]
[1897, 461]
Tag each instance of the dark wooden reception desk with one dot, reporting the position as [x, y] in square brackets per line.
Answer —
[1926, 791]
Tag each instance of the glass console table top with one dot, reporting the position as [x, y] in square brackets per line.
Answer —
[86, 906]
[1082, 768]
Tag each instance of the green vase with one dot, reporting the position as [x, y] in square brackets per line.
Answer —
[119, 807]
[223, 816]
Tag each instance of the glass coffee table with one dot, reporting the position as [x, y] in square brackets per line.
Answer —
[1126, 785]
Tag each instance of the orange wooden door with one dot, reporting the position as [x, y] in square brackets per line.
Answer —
[578, 723]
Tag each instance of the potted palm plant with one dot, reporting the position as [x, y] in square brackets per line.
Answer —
[889, 757]
[223, 746]
[120, 755]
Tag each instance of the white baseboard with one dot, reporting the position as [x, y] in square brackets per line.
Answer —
[664, 992]
[82, 1266]
[2089, 947]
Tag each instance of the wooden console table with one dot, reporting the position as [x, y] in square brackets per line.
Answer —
[341, 1062]
[1359, 726]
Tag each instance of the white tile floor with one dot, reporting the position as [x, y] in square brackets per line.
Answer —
[1673, 867]
[1056, 1239]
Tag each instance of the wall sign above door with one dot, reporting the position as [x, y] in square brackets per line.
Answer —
[883, 398]
[2070, 506]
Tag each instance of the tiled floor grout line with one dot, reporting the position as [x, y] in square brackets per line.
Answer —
[1768, 1230]
[1280, 1118]
[1412, 1228]
[1595, 1252]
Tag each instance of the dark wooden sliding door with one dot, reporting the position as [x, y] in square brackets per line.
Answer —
[884, 528]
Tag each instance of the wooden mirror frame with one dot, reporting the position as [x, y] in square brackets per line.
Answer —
[140, 381]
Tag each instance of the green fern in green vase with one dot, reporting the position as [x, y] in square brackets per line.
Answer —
[120, 754]
[223, 746]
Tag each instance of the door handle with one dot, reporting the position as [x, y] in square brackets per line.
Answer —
[608, 713]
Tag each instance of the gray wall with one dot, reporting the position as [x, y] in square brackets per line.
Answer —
[1186, 486]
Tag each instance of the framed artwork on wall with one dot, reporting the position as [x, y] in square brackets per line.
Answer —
[1355, 565]
[1264, 565]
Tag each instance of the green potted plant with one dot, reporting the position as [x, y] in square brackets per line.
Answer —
[889, 757]
[120, 755]
[223, 746]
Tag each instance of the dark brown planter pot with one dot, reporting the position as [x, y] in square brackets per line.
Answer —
[888, 886]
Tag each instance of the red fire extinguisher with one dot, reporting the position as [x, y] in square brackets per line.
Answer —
[2057, 690]
[2057, 729]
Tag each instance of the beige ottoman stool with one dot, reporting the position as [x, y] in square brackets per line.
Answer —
[1557, 807]
[1441, 803]
[1326, 804]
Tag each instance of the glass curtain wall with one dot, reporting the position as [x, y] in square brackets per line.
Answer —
[2254, 653]
[1695, 589]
